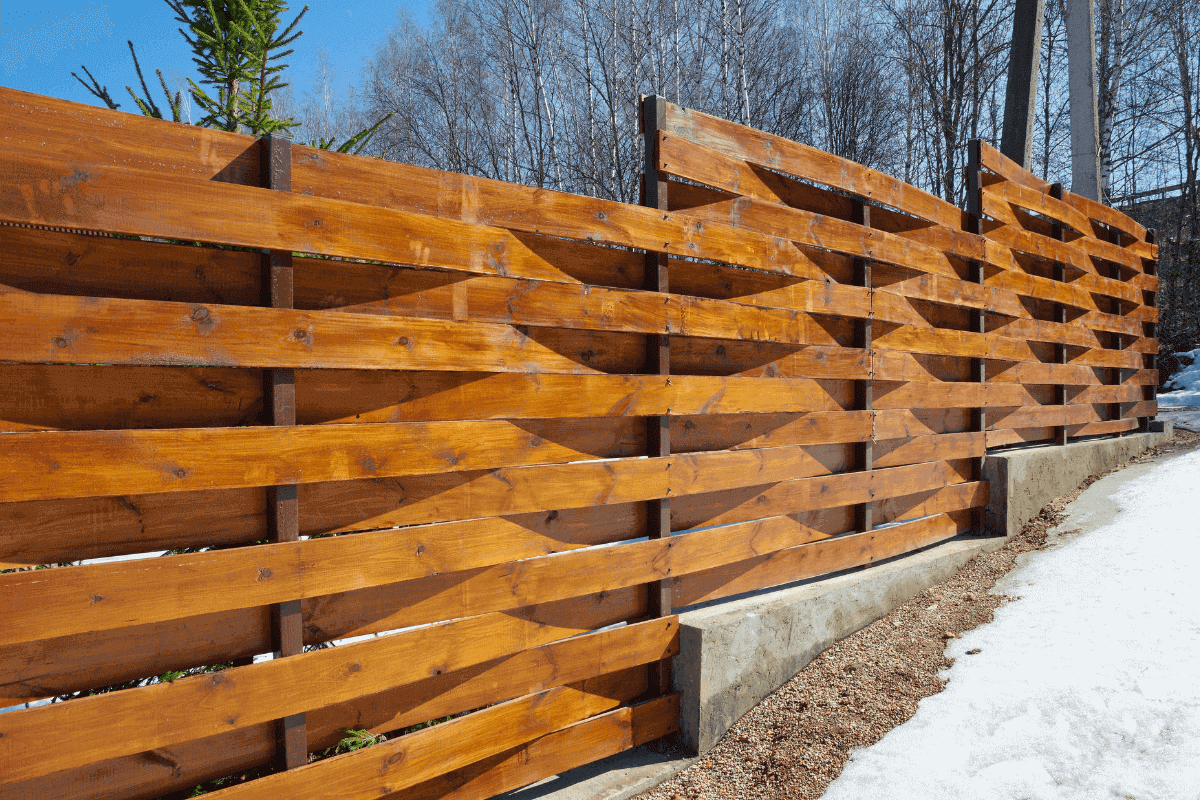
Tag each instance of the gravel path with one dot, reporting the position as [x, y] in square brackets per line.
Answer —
[793, 744]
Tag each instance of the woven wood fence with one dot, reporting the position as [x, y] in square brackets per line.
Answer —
[510, 429]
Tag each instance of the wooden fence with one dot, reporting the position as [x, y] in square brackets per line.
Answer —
[510, 429]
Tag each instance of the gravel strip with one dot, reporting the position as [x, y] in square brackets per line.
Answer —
[794, 743]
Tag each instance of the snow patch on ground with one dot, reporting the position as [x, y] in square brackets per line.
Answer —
[1184, 386]
[1085, 687]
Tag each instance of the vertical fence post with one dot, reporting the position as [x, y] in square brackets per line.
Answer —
[279, 408]
[658, 357]
[1118, 375]
[1060, 316]
[1150, 329]
[978, 319]
[864, 390]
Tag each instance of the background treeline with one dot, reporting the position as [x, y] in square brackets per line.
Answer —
[544, 92]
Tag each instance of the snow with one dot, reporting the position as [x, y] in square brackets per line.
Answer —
[1184, 386]
[1086, 687]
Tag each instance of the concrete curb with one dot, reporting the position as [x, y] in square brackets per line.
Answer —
[1023, 481]
[734, 654]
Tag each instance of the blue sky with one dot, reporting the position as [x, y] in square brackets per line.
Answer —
[42, 42]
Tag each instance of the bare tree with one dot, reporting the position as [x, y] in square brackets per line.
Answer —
[859, 103]
[956, 50]
[1051, 125]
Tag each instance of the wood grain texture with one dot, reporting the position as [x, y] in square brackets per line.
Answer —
[1114, 254]
[553, 754]
[58, 666]
[64, 464]
[60, 262]
[203, 583]
[452, 196]
[83, 397]
[471, 410]
[808, 163]
[1039, 200]
[1031, 373]
[336, 396]
[996, 162]
[96, 597]
[756, 211]
[121, 723]
[503, 587]
[145, 776]
[1005, 437]
[1011, 235]
[393, 291]
[409, 760]
[61, 131]
[820, 558]
[1101, 213]
[59, 329]
[95, 196]
[60, 531]
[949, 291]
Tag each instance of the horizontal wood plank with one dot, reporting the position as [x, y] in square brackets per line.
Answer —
[808, 163]
[821, 558]
[63, 464]
[994, 161]
[82, 397]
[96, 659]
[58, 329]
[1031, 373]
[1040, 201]
[757, 212]
[553, 754]
[1105, 215]
[499, 588]
[92, 195]
[120, 723]
[405, 762]
[95, 597]
[334, 396]
[949, 291]
[60, 130]
[60, 262]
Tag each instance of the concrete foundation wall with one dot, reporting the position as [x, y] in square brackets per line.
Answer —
[1023, 481]
[735, 654]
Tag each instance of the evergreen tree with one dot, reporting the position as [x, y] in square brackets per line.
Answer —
[238, 51]
[238, 48]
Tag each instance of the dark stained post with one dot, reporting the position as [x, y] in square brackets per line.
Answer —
[658, 356]
[1116, 375]
[279, 408]
[1023, 60]
[978, 321]
[1149, 329]
[864, 391]
[1060, 316]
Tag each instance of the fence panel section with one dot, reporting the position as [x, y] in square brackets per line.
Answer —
[453, 450]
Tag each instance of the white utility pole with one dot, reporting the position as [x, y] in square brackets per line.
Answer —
[1085, 124]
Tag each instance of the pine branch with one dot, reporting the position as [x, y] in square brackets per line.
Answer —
[96, 89]
[148, 106]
